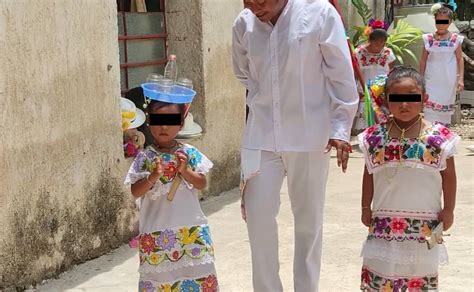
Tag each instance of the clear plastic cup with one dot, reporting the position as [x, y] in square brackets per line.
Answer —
[185, 82]
[154, 78]
[165, 85]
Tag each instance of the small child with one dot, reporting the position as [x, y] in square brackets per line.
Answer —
[442, 66]
[374, 59]
[175, 246]
[409, 170]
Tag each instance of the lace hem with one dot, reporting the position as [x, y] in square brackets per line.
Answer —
[404, 255]
[205, 283]
[134, 177]
[172, 266]
[159, 189]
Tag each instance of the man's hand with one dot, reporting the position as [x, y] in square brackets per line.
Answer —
[343, 149]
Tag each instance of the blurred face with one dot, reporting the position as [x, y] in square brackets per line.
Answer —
[377, 45]
[405, 111]
[442, 28]
[165, 134]
[265, 10]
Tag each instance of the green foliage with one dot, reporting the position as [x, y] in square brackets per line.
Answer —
[399, 40]
[363, 10]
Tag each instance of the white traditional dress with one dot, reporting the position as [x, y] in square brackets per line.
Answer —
[440, 77]
[175, 247]
[371, 65]
[406, 203]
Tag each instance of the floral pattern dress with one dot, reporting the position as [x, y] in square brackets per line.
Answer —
[371, 65]
[440, 77]
[406, 203]
[175, 247]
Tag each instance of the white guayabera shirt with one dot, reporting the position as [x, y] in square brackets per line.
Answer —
[299, 77]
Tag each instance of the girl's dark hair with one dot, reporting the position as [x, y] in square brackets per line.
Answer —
[401, 72]
[378, 34]
[445, 11]
[156, 105]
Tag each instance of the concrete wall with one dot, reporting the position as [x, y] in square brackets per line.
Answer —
[62, 199]
[200, 35]
[352, 18]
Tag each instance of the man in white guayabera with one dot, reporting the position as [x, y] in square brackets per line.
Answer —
[293, 57]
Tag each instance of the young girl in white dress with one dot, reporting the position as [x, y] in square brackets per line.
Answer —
[409, 188]
[442, 66]
[374, 59]
[175, 247]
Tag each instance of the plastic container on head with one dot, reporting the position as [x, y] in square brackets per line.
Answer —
[171, 94]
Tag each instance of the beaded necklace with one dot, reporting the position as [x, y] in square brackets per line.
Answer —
[401, 143]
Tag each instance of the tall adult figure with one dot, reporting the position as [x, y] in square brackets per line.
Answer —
[293, 58]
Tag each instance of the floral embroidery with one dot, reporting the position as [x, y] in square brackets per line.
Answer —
[433, 43]
[401, 229]
[371, 280]
[194, 157]
[173, 245]
[427, 150]
[203, 284]
[145, 161]
[439, 107]
[374, 59]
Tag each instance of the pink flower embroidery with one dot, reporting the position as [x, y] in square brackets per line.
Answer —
[415, 284]
[147, 243]
[398, 225]
[445, 132]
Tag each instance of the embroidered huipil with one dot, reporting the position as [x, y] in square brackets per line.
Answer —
[406, 203]
[299, 77]
[373, 65]
[440, 74]
[175, 247]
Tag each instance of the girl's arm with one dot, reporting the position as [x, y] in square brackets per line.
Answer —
[367, 195]
[424, 57]
[460, 72]
[391, 65]
[142, 186]
[198, 180]
[449, 194]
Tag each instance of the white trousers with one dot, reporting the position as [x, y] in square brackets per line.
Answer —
[307, 175]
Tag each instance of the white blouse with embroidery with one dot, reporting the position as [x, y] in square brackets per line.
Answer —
[373, 65]
[175, 245]
[407, 199]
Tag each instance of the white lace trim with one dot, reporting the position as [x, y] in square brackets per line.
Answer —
[157, 283]
[399, 254]
[172, 266]
[133, 177]
[159, 189]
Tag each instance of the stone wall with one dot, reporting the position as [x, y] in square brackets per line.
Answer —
[468, 48]
[200, 35]
[61, 191]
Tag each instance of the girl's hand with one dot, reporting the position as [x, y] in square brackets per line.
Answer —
[158, 169]
[447, 217]
[182, 161]
[460, 86]
[366, 217]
